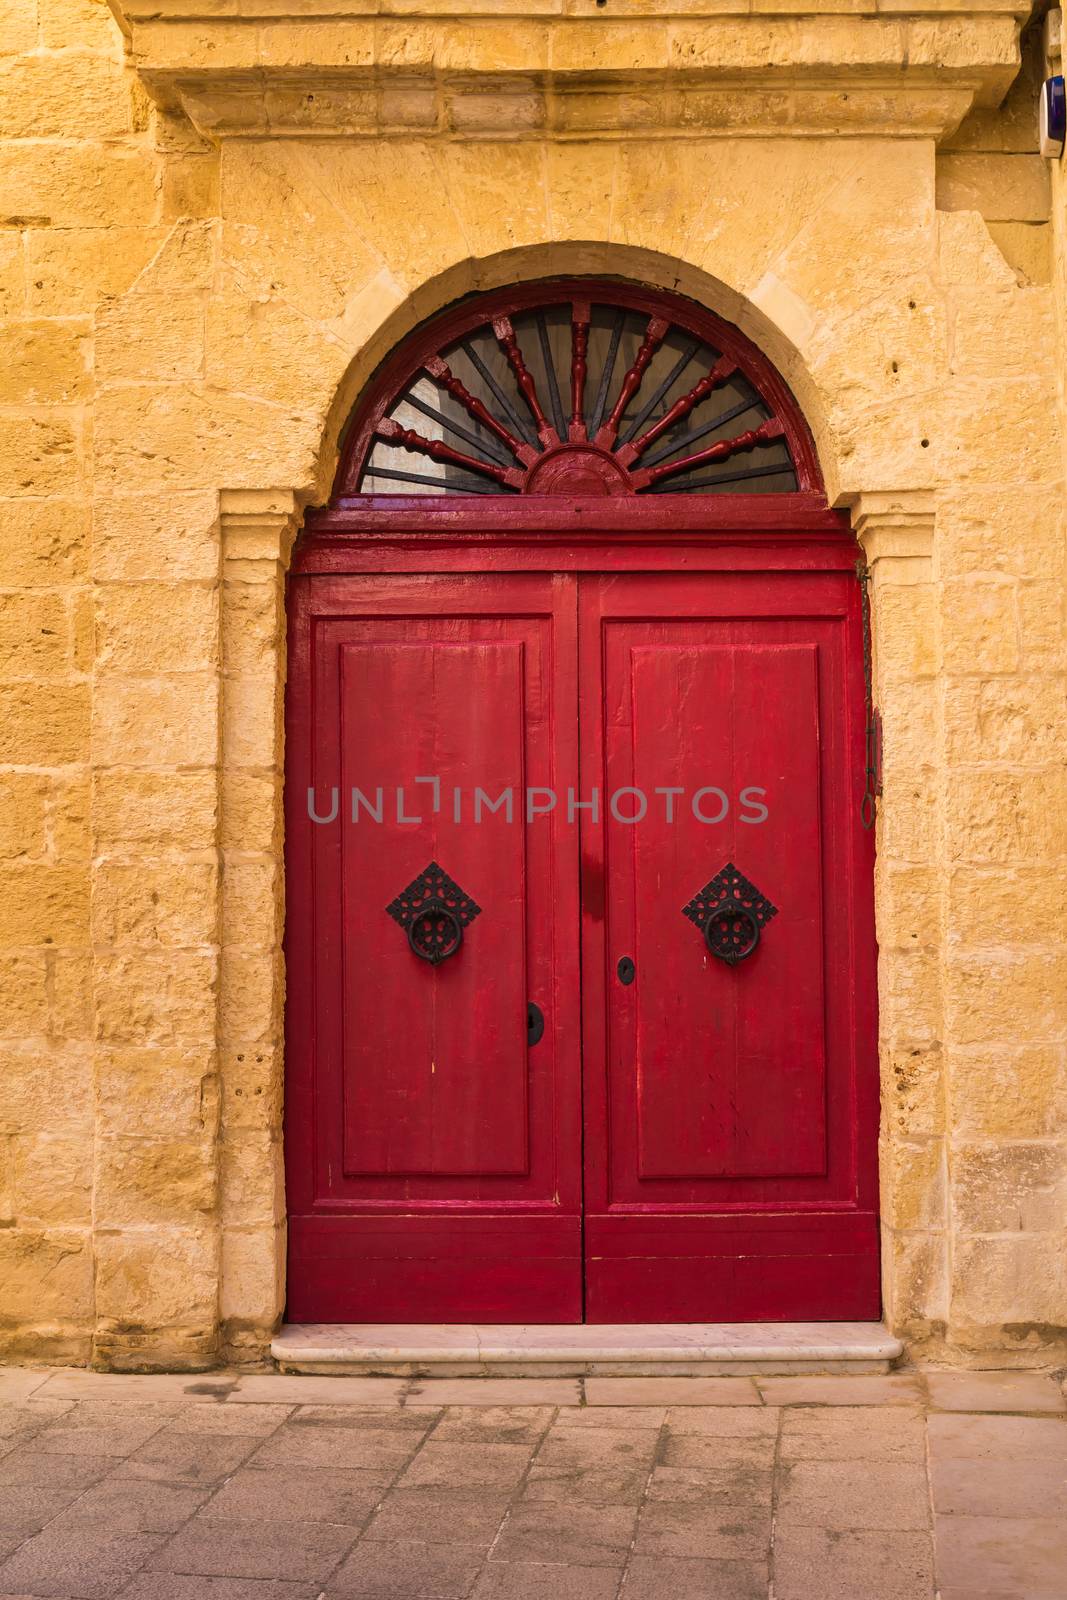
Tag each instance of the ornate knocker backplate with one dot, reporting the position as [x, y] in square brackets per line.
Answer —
[730, 912]
[433, 911]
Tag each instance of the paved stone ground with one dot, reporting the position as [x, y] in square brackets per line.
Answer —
[283, 1488]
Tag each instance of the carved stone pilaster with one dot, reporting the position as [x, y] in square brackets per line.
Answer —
[258, 529]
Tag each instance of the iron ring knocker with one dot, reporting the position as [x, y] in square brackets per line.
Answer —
[730, 912]
[433, 911]
[435, 933]
[731, 932]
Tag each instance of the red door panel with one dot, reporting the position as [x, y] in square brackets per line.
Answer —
[433, 1158]
[750, 1102]
[435, 1057]
[730, 1111]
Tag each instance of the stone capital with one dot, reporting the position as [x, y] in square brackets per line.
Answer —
[894, 525]
[258, 525]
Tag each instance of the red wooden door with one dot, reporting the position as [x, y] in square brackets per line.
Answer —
[730, 1116]
[433, 1150]
[434, 1154]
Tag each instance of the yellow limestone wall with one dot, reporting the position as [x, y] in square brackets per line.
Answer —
[188, 320]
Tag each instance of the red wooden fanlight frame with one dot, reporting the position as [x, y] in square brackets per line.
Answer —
[539, 448]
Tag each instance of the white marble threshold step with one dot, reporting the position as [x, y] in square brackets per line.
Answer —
[667, 1349]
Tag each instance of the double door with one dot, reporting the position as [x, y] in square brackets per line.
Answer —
[580, 951]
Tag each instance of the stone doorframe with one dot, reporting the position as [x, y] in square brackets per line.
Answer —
[894, 530]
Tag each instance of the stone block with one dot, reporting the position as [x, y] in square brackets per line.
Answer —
[1008, 817]
[43, 542]
[253, 1180]
[1004, 188]
[23, 810]
[153, 1181]
[1007, 1292]
[908, 907]
[157, 811]
[1018, 906]
[250, 1002]
[159, 1092]
[251, 810]
[253, 627]
[252, 721]
[39, 455]
[252, 910]
[35, 635]
[53, 1181]
[156, 997]
[185, 435]
[269, 349]
[500, 203]
[150, 335]
[967, 253]
[1021, 992]
[915, 1280]
[47, 1274]
[909, 999]
[913, 1185]
[175, 904]
[191, 186]
[905, 629]
[157, 628]
[253, 1279]
[20, 26]
[45, 905]
[47, 1089]
[910, 813]
[1004, 1090]
[1042, 625]
[913, 1090]
[1017, 720]
[23, 994]
[89, 99]
[145, 722]
[88, 21]
[44, 363]
[284, 234]
[976, 440]
[158, 1282]
[1009, 1188]
[980, 628]
[69, 818]
[148, 537]
[251, 1089]
[999, 333]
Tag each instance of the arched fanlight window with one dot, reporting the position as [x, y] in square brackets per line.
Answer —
[577, 388]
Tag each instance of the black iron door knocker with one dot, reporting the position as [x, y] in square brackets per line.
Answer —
[730, 912]
[433, 911]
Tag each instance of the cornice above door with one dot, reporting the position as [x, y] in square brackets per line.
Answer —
[572, 69]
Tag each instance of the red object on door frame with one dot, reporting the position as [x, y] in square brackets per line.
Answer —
[699, 1144]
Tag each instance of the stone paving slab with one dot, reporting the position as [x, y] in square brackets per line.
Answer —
[261, 1487]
